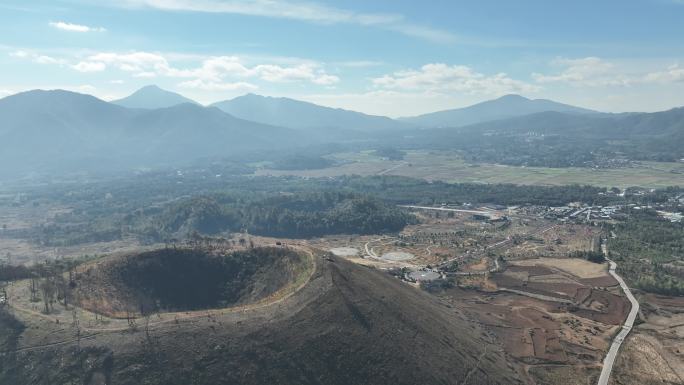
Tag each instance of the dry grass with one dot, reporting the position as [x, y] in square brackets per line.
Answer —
[450, 167]
[577, 267]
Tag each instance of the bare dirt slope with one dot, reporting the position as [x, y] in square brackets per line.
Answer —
[182, 279]
[348, 325]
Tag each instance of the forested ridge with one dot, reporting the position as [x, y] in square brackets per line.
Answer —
[299, 215]
[650, 252]
[154, 207]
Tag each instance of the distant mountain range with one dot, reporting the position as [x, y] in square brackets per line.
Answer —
[597, 125]
[560, 139]
[508, 106]
[296, 114]
[62, 129]
[152, 97]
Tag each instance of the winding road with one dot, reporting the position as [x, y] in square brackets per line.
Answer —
[626, 328]
[609, 360]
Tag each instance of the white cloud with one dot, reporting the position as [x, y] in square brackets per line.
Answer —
[132, 62]
[359, 63]
[212, 71]
[597, 72]
[588, 71]
[392, 102]
[43, 59]
[4, 93]
[423, 32]
[326, 80]
[269, 8]
[19, 54]
[145, 75]
[75, 27]
[205, 85]
[87, 88]
[36, 58]
[215, 68]
[439, 77]
[673, 73]
[303, 72]
[87, 66]
[294, 10]
[116, 81]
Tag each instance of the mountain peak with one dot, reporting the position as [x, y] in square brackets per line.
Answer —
[298, 114]
[151, 87]
[152, 97]
[513, 97]
[507, 106]
[52, 97]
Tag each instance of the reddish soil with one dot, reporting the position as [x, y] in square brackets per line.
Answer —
[534, 331]
[664, 301]
[606, 281]
[566, 290]
[602, 306]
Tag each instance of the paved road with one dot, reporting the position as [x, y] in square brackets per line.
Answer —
[626, 328]
[480, 212]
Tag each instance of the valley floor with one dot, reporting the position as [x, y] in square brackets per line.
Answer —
[450, 167]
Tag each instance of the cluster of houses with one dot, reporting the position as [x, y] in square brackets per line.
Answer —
[579, 213]
[590, 213]
[671, 216]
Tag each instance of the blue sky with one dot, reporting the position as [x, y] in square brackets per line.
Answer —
[385, 57]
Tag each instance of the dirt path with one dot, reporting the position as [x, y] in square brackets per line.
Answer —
[476, 367]
[385, 171]
[537, 296]
[53, 344]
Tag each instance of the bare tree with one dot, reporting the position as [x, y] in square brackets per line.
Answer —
[147, 327]
[62, 290]
[4, 298]
[33, 288]
[48, 290]
[132, 325]
[74, 318]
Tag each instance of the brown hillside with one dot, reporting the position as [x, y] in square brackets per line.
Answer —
[348, 325]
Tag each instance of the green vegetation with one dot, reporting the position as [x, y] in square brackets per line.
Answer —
[650, 252]
[390, 153]
[159, 207]
[589, 255]
[298, 215]
[302, 162]
[403, 190]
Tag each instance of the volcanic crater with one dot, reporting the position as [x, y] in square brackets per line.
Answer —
[186, 279]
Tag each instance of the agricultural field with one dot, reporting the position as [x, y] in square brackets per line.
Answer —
[450, 167]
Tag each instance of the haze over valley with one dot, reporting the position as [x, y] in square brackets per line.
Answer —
[325, 192]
